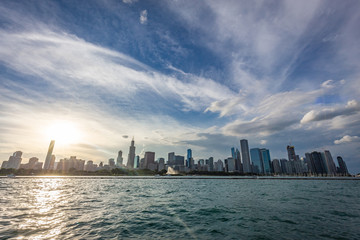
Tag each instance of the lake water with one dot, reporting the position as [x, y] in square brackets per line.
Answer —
[165, 208]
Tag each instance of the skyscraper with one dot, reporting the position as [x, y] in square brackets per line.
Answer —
[310, 163]
[245, 155]
[14, 160]
[256, 159]
[318, 162]
[211, 164]
[342, 166]
[137, 162]
[119, 159]
[236, 156]
[188, 158]
[48, 155]
[131, 156]
[265, 155]
[179, 160]
[111, 162]
[291, 153]
[276, 166]
[330, 163]
[171, 158]
[149, 159]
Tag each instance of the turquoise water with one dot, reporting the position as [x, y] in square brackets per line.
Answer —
[151, 208]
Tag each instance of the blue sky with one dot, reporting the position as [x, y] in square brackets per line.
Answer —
[178, 75]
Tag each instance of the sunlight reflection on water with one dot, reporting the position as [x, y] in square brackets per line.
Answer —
[96, 208]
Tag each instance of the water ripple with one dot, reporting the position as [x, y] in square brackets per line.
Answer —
[115, 208]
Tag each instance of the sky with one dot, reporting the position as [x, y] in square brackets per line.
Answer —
[179, 74]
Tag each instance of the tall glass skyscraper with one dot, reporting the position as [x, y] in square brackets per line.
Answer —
[48, 155]
[131, 156]
[265, 155]
[245, 156]
[256, 159]
[188, 158]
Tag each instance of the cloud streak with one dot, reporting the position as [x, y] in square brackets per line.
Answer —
[347, 139]
[351, 108]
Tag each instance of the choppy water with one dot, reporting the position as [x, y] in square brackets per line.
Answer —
[116, 208]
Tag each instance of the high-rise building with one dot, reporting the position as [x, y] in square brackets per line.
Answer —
[219, 166]
[171, 158]
[238, 161]
[161, 162]
[245, 156]
[32, 164]
[310, 163]
[111, 162]
[230, 164]
[131, 156]
[331, 168]
[119, 159]
[73, 163]
[48, 155]
[90, 166]
[236, 156]
[179, 160]
[211, 164]
[342, 166]
[137, 162]
[276, 166]
[188, 158]
[201, 162]
[291, 153]
[318, 163]
[265, 155]
[14, 160]
[149, 159]
[256, 159]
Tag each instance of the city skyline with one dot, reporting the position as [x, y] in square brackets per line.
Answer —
[256, 161]
[179, 75]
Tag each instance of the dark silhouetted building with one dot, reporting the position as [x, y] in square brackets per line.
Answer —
[276, 166]
[245, 156]
[342, 166]
[131, 156]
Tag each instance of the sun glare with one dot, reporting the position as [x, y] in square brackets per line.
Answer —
[63, 132]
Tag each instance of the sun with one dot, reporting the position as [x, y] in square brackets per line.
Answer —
[63, 132]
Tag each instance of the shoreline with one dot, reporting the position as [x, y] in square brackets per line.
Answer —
[189, 177]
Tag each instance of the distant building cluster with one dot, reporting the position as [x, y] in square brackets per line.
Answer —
[255, 161]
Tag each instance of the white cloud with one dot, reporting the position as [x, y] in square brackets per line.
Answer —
[346, 139]
[69, 62]
[129, 1]
[267, 115]
[351, 107]
[143, 17]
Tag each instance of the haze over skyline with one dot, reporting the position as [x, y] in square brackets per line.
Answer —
[178, 75]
